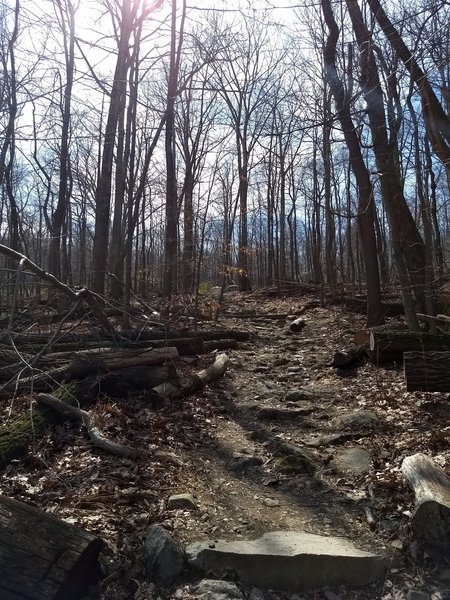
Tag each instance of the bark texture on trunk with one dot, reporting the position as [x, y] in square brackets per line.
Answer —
[427, 371]
[431, 517]
[42, 556]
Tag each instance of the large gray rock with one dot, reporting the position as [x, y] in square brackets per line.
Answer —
[355, 461]
[360, 419]
[289, 560]
[163, 558]
[182, 502]
[211, 589]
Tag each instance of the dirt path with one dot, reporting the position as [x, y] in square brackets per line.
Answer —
[246, 483]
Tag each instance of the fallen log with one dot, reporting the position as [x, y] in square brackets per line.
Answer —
[120, 383]
[43, 557]
[427, 371]
[131, 339]
[349, 358]
[297, 325]
[86, 365]
[431, 518]
[210, 345]
[120, 360]
[21, 434]
[200, 379]
[359, 306]
[391, 344]
[95, 435]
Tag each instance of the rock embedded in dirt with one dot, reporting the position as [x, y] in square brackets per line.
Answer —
[213, 589]
[354, 461]
[242, 462]
[292, 464]
[280, 361]
[329, 595]
[282, 414]
[257, 594]
[289, 560]
[307, 393]
[271, 502]
[302, 455]
[182, 502]
[415, 595]
[327, 439]
[360, 419]
[164, 560]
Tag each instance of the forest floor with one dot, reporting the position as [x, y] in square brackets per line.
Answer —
[222, 447]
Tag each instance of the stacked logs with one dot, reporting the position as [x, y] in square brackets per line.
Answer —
[77, 376]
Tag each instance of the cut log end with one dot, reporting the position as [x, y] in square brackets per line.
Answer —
[43, 557]
[431, 518]
[297, 325]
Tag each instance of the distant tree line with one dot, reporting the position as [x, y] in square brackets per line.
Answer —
[149, 146]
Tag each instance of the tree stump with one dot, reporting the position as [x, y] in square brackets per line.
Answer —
[42, 557]
[431, 518]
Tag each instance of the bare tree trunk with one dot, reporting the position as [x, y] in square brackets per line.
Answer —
[8, 144]
[407, 244]
[171, 236]
[67, 23]
[330, 250]
[129, 22]
[366, 210]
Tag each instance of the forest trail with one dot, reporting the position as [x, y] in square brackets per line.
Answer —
[292, 444]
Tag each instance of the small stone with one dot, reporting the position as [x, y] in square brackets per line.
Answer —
[354, 461]
[329, 595]
[415, 595]
[261, 369]
[360, 419]
[397, 544]
[256, 594]
[300, 394]
[242, 462]
[281, 361]
[271, 502]
[292, 464]
[182, 502]
[212, 589]
[282, 414]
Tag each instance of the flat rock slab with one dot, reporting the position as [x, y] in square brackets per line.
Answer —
[288, 560]
[355, 461]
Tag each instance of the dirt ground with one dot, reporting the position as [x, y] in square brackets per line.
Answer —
[224, 449]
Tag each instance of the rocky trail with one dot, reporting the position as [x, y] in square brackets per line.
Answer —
[283, 442]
